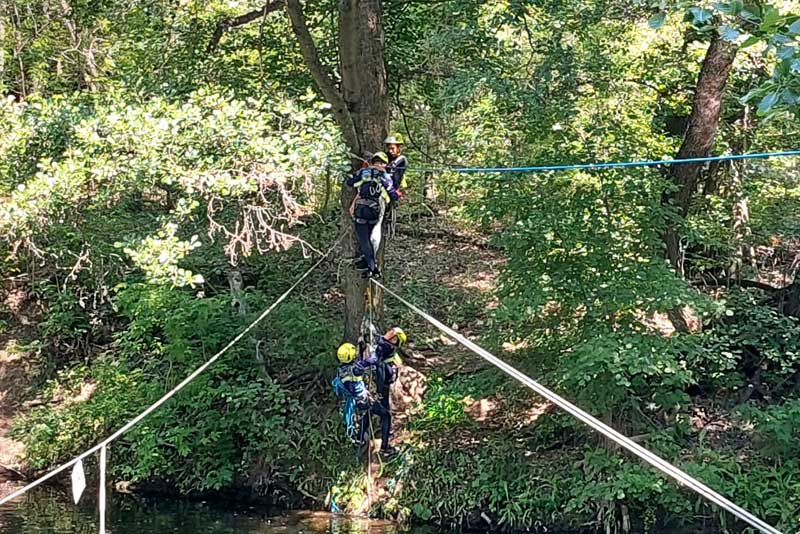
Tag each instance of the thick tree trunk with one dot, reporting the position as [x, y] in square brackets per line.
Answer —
[700, 136]
[365, 91]
[361, 108]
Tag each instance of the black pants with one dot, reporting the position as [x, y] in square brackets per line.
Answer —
[368, 231]
[364, 233]
[376, 408]
[384, 376]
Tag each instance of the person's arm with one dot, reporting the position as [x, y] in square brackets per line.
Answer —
[386, 180]
[353, 179]
[384, 350]
[362, 365]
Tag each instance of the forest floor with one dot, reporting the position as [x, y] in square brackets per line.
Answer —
[16, 378]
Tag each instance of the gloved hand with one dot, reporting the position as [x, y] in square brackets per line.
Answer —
[400, 194]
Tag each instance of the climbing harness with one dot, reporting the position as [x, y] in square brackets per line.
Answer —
[372, 197]
[625, 442]
[349, 409]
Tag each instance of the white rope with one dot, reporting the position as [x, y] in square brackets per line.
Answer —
[101, 497]
[649, 457]
[133, 422]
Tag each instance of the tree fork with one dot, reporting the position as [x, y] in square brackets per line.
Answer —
[699, 137]
[227, 23]
[360, 106]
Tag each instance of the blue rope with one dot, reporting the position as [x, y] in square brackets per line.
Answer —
[609, 165]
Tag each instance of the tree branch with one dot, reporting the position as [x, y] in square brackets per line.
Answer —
[241, 20]
[322, 78]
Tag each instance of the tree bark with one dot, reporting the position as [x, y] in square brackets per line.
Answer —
[361, 108]
[743, 251]
[699, 138]
[365, 90]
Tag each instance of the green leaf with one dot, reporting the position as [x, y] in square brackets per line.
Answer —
[657, 20]
[770, 17]
[729, 33]
[730, 8]
[423, 512]
[751, 95]
[750, 41]
[767, 102]
[700, 15]
[749, 15]
[786, 52]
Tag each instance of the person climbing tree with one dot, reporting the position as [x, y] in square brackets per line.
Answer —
[386, 360]
[349, 382]
[374, 191]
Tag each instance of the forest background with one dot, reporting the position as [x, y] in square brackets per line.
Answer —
[168, 168]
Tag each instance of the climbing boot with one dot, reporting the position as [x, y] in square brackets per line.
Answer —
[389, 452]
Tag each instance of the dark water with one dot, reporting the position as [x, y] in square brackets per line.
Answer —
[51, 511]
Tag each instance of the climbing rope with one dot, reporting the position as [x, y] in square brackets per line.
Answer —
[646, 455]
[197, 372]
[610, 165]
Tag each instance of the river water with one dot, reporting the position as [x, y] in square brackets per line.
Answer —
[51, 511]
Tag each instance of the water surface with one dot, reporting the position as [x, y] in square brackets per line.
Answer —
[51, 511]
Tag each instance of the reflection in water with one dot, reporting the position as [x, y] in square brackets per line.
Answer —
[51, 511]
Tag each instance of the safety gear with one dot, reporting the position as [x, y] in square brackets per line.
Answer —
[375, 273]
[401, 336]
[349, 408]
[380, 156]
[372, 196]
[395, 359]
[347, 373]
[394, 139]
[346, 353]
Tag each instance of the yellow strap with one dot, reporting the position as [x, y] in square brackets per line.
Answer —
[396, 359]
[352, 378]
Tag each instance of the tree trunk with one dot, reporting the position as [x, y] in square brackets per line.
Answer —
[743, 251]
[361, 108]
[364, 88]
[700, 136]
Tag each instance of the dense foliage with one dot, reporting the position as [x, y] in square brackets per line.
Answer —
[161, 162]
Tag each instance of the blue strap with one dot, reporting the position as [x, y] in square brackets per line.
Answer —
[609, 165]
[350, 409]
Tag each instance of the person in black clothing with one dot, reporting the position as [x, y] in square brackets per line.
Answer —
[385, 360]
[374, 192]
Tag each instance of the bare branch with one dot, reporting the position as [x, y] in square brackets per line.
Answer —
[241, 20]
[323, 79]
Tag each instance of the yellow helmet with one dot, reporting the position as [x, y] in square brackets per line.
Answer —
[395, 139]
[380, 156]
[346, 353]
[400, 334]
